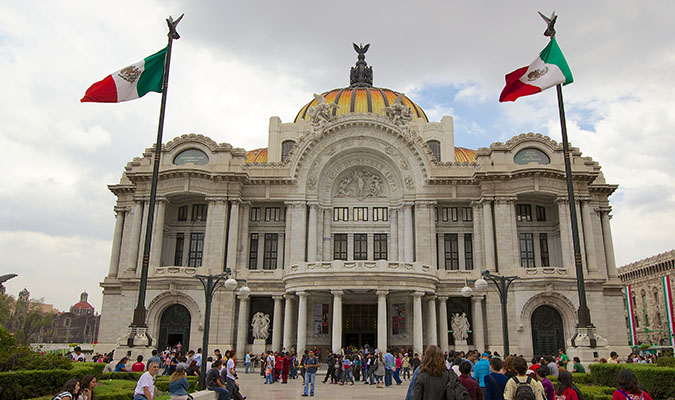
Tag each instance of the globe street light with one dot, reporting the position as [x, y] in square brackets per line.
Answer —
[502, 284]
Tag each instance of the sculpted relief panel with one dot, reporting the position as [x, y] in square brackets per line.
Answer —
[359, 184]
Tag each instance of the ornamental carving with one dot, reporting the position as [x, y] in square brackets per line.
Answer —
[400, 114]
[360, 184]
[311, 182]
[320, 114]
[261, 325]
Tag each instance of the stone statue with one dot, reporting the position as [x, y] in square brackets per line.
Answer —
[261, 325]
[360, 184]
[399, 113]
[321, 113]
[460, 327]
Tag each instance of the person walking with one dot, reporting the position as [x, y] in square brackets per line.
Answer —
[330, 368]
[523, 386]
[397, 369]
[469, 383]
[481, 370]
[379, 370]
[388, 368]
[496, 381]
[405, 366]
[247, 362]
[285, 367]
[549, 390]
[311, 364]
[435, 381]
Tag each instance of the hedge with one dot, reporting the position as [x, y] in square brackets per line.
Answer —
[33, 383]
[659, 381]
[577, 378]
[596, 392]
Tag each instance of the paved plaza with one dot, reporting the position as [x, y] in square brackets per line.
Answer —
[253, 387]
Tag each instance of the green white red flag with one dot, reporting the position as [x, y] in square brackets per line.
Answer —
[548, 70]
[131, 82]
[631, 316]
[670, 315]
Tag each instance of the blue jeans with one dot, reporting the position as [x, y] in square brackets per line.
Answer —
[310, 377]
[223, 394]
[397, 378]
[247, 365]
[268, 379]
[387, 377]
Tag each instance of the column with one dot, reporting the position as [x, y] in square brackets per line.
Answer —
[401, 234]
[214, 237]
[319, 234]
[417, 322]
[382, 319]
[244, 216]
[565, 234]
[242, 325]
[409, 250]
[158, 234]
[288, 322]
[233, 235]
[327, 219]
[287, 234]
[297, 239]
[431, 320]
[141, 242]
[443, 322]
[137, 215]
[607, 241]
[589, 236]
[302, 322]
[393, 235]
[488, 236]
[336, 343]
[276, 324]
[478, 330]
[478, 250]
[312, 233]
[117, 243]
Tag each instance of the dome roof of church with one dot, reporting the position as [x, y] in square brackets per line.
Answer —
[352, 100]
[82, 305]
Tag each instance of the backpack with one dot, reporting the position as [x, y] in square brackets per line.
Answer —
[523, 389]
[454, 390]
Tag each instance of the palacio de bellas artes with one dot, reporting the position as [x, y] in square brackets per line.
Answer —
[362, 224]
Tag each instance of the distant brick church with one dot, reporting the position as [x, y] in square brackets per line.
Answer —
[79, 325]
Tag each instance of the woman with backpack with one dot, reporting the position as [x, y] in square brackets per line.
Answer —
[628, 387]
[565, 388]
[522, 386]
[435, 381]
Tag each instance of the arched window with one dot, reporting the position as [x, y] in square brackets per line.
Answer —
[286, 147]
[435, 147]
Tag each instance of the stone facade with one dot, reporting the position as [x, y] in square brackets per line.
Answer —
[362, 228]
[645, 280]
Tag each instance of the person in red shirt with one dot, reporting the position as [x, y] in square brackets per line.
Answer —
[278, 365]
[468, 382]
[138, 366]
[535, 364]
[628, 387]
[285, 367]
[565, 388]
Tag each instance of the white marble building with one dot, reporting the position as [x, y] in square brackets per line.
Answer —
[359, 224]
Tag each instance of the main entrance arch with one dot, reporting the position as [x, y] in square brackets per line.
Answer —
[174, 327]
[548, 334]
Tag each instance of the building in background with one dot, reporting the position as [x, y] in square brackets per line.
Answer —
[79, 325]
[648, 301]
[360, 224]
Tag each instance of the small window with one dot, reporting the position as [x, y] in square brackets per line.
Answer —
[66, 322]
[468, 251]
[340, 213]
[360, 246]
[286, 147]
[541, 213]
[360, 213]
[272, 214]
[435, 147]
[255, 214]
[467, 214]
[523, 212]
[380, 246]
[253, 252]
[340, 246]
[178, 254]
[182, 213]
[199, 212]
[380, 214]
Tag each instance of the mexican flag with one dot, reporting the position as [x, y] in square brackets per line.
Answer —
[131, 82]
[548, 70]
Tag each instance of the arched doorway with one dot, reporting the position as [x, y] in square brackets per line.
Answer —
[547, 331]
[174, 327]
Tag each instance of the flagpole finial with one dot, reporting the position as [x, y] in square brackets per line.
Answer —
[172, 27]
[550, 24]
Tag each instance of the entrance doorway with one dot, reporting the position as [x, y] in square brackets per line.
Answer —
[174, 327]
[547, 331]
[360, 325]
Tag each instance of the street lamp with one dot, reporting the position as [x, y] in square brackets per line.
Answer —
[211, 283]
[502, 284]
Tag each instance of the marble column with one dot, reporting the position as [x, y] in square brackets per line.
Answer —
[244, 240]
[214, 237]
[327, 220]
[589, 236]
[409, 250]
[158, 234]
[298, 234]
[608, 242]
[319, 234]
[336, 342]
[432, 329]
[312, 232]
[288, 322]
[478, 249]
[302, 322]
[141, 242]
[443, 323]
[117, 243]
[393, 235]
[417, 322]
[382, 319]
[287, 234]
[134, 242]
[488, 236]
[477, 328]
[242, 325]
[566, 245]
[233, 235]
[401, 234]
[276, 324]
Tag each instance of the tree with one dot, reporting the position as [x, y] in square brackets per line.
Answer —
[28, 320]
[6, 307]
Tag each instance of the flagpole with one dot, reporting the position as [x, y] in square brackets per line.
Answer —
[138, 324]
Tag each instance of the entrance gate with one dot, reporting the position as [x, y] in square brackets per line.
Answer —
[547, 331]
[360, 325]
[174, 327]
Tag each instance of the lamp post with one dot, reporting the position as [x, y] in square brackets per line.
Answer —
[211, 284]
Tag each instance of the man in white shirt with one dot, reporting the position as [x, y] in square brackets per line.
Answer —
[145, 388]
[231, 375]
[198, 358]
[78, 356]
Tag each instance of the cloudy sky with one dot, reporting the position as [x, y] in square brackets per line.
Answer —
[238, 63]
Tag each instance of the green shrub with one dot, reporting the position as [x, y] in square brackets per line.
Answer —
[596, 392]
[659, 381]
[33, 383]
[577, 378]
[666, 361]
[23, 358]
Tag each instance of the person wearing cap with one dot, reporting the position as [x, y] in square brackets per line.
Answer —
[481, 370]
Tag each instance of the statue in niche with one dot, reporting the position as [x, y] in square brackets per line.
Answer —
[460, 327]
[360, 184]
[321, 113]
[261, 325]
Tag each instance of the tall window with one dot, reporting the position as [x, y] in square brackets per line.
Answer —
[286, 147]
[272, 214]
[340, 213]
[449, 214]
[182, 213]
[360, 214]
[255, 213]
[199, 212]
[380, 246]
[271, 249]
[543, 246]
[253, 252]
[541, 213]
[360, 246]
[523, 212]
[380, 214]
[451, 251]
[178, 254]
[196, 250]
[467, 214]
[468, 251]
[340, 246]
[526, 250]
[435, 147]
